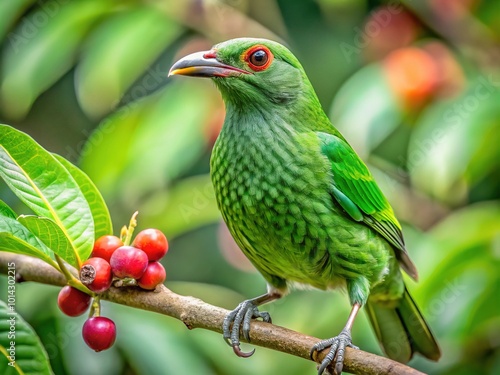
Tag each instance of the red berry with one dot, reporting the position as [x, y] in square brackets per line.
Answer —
[152, 242]
[96, 274]
[154, 275]
[73, 302]
[128, 261]
[99, 333]
[105, 246]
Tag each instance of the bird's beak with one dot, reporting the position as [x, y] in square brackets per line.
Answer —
[204, 64]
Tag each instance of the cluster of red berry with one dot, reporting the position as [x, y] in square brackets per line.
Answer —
[110, 261]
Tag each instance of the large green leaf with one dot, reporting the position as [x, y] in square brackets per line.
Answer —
[44, 185]
[39, 57]
[100, 212]
[19, 339]
[5, 210]
[51, 235]
[118, 52]
[16, 238]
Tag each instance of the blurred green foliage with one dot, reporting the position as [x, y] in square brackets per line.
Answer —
[414, 86]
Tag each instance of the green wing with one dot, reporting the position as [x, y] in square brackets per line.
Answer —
[354, 188]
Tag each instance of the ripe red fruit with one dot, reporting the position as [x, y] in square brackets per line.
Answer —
[96, 274]
[99, 333]
[73, 302]
[153, 242]
[128, 261]
[105, 246]
[154, 275]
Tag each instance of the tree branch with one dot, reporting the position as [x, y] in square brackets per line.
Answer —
[195, 313]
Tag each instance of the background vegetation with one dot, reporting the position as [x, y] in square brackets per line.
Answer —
[414, 86]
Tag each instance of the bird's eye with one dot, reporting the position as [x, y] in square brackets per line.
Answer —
[258, 58]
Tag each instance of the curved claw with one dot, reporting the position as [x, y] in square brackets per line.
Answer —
[265, 317]
[237, 322]
[311, 353]
[337, 349]
[240, 353]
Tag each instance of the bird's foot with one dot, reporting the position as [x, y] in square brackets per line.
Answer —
[240, 319]
[337, 346]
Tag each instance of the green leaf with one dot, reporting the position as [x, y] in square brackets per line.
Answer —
[5, 210]
[16, 238]
[118, 52]
[51, 235]
[18, 338]
[36, 59]
[100, 212]
[44, 185]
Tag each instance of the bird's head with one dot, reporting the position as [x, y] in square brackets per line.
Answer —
[249, 71]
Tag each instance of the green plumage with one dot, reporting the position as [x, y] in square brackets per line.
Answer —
[302, 205]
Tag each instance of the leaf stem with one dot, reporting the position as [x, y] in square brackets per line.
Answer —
[52, 263]
[72, 280]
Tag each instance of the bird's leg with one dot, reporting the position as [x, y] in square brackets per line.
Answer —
[240, 319]
[337, 345]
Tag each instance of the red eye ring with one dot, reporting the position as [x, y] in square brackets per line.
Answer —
[258, 54]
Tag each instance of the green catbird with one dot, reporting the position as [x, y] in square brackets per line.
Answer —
[301, 204]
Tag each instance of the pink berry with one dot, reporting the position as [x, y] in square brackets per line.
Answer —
[154, 275]
[73, 302]
[128, 261]
[99, 333]
[153, 242]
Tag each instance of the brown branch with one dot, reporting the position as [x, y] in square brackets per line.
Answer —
[195, 313]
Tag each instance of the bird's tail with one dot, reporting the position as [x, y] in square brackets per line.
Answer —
[401, 330]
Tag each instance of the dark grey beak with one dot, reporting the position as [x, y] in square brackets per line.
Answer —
[204, 64]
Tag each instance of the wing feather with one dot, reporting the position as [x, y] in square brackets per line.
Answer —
[353, 187]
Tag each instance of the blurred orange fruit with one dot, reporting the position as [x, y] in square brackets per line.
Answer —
[413, 75]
